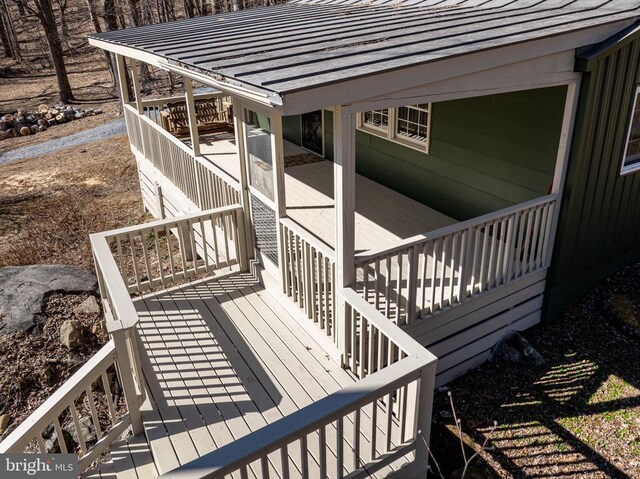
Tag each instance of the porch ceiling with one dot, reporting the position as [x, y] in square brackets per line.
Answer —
[307, 44]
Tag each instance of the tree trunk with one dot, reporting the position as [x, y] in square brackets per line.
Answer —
[110, 15]
[94, 16]
[215, 6]
[9, 28]
[4, 38]
[237, 5]
[48, 22]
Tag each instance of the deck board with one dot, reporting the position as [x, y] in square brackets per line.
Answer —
[221, 358]
[383, 216]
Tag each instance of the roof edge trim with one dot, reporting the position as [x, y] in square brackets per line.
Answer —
[587, 58]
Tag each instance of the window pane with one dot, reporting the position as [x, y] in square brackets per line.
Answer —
[260, 161]
[412, 122]
[376, 118]
[632, 155]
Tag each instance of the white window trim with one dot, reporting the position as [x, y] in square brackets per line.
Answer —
[390, 133]
[626, 169]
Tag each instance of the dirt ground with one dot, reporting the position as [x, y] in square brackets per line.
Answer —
[576, 417]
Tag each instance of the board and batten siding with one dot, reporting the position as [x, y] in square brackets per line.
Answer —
[486, 153]
[599, 227]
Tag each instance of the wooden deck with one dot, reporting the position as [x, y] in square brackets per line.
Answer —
[383, 216]
[221, 358]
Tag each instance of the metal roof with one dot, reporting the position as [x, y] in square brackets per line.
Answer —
[309, 43]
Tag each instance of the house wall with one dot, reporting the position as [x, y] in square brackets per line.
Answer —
[598, 231]
[486, 153]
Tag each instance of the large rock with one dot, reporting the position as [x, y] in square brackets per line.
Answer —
[72, 334]
[513, 348]
[88, 306]
[24, 288]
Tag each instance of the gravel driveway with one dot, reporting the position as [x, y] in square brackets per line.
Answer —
[114, 128]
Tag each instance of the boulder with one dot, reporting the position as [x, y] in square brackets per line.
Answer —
[24, 288]
[88, 306]
[51, 444]
[73, 335]
[513, 348]
[87, 430]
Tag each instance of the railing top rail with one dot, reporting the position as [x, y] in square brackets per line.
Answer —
[308, 419]
[168, 221]
[386, 326]
[160, 130]
[309, 237]
[454, 228]
[60, 399]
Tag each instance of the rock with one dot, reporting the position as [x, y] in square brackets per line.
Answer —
[621, 311]
[23, 289]
[512, 347]
[46, 375]
[97, 111]
[12, 427]
[72, 334]
[88, 306]
[52, 447]
[5, 419]
[99, 329]
[87, 430]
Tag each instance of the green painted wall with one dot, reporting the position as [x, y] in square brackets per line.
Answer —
[599, 231]
[486, 153]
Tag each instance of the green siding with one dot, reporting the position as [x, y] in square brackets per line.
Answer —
[598, 231]
[486, 153]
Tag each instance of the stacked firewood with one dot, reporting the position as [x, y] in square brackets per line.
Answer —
[24, 123]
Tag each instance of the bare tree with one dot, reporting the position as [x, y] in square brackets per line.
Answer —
[43, 10]
[8, 34]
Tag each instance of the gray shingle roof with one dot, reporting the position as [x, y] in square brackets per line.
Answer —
[309, 43]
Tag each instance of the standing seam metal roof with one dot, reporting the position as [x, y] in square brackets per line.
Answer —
[309, 43]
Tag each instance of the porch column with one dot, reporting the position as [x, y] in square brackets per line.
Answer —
[137, 88]
[240, 134]
[566, 133]
[279, 197]
[344, 175]
[121, 67]
[191, 113]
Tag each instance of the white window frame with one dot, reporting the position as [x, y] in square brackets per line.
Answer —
[635, 166]
[391, 132]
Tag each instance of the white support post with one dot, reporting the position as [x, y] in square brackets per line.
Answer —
[564, 149]
[279, 196]
[344, 175]
[128, 373]
[121, 67]
[424, 405]
[240, 134]
[137, 88]
[191, 112]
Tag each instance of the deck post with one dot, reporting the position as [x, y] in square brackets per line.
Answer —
[121, 67]
[137, 88]
[277, 156]
[129, 370]
[239, 131]
[566, 133]
[191, 113]
[344, 176]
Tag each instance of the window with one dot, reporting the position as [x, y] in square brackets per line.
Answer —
[631, 161]
[408, 125]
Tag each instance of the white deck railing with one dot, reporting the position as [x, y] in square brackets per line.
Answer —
[129, 260]
[384, 416]
[308, 274]
[90, 391]
[165, 251]
[203, 183]
[428, 273]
